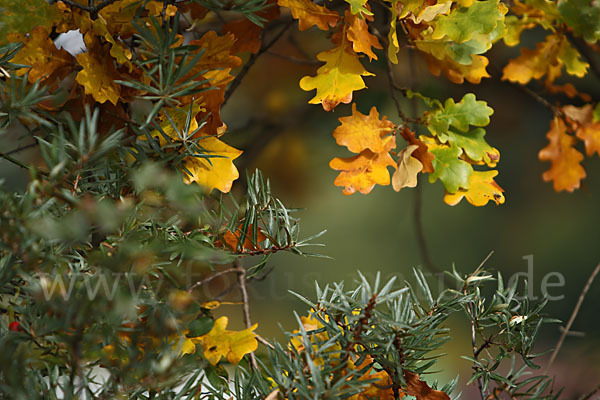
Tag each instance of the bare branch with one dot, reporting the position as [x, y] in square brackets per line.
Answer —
[561, 340]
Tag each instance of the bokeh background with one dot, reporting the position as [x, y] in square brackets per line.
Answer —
[291, 142]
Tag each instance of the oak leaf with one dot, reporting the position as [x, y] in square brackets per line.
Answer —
[407, 170]
[98, 77]
[358, 34]
[447, 165]
[215, 172]
[337, 79]
[587, 128]
[482, 189]
[359, 131]
[42, 56]
[419, 389]
[566, 171]
[308, 14]
[232, 239]
[365, 170]
[222, 343]
[481, 17]
[421, 153]
[456, 72]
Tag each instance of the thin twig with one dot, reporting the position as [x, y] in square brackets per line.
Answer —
[264, 341]
[590, 394]
[210, 278]
[238, 79]
[21, 148]
[293, 59]
[241, 273]
[93, 10]
[555, 110]
[13, 160]
[587, 286]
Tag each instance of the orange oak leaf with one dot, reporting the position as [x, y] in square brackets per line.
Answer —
[247, 35]
[365, 170]
[359, 131]
[586, 128]
[418, 388]
[566, 171]
[42, 56]
[421, 153]
[337, 79]
[217, 51]
[358, 34]
[482, 189]
[308, 14]
[456, 72]
[232, 238]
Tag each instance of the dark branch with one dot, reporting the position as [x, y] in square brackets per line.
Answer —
[238, 79]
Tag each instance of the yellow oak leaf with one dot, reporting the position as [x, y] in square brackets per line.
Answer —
[216, 172]
[548, 58]
[98, 77]
[456, 72]
[482, 189]
[337, 79]
[222, 343]
[566, 171]
[359, 131]
[308, 14]
[408, 169]
[365, 170]
[358, 34]
[586, 128]
[42, 56]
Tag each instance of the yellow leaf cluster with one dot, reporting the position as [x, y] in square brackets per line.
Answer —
[222, 343]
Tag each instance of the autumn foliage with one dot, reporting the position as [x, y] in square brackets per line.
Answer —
[133, 161]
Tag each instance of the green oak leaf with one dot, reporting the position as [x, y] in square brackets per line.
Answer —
[474, 145]
[358, 6]
[448, 168]
[463, 22]
[597, 113]
[468, 111]
[583, 16]
[572, 60]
